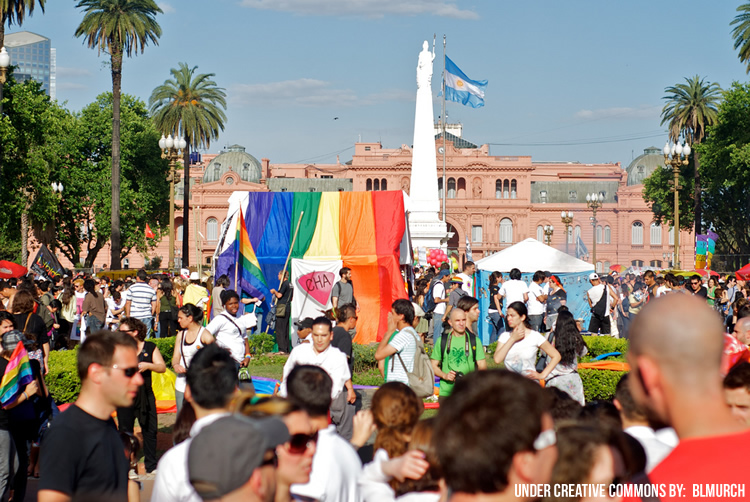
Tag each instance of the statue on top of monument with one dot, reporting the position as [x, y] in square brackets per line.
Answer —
[424, 67]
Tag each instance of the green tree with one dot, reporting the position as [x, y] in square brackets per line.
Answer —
[741, 33]
[725, 171]
[658, 194]
[84, 220]
[14, 11]
[690, 108]
[191, 106]
[118, 27]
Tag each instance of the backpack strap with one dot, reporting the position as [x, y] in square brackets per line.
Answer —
[473, 346]
[444, 342]
[228, 318]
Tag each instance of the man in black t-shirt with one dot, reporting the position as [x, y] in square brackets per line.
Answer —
[342, 412]
[82, 457]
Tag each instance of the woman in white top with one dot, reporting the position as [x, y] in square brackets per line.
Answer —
[518, 347]
[569, 343]
[115, 309]
[192, 337]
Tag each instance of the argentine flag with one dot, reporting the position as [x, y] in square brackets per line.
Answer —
[460, 88]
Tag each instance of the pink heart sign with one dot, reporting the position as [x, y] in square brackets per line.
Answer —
[318, 285]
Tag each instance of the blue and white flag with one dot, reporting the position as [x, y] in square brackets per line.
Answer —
[460, 88]
[581, 249]
[468, 248]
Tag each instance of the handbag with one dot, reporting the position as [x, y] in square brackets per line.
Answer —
[281, 310]
[541, 363]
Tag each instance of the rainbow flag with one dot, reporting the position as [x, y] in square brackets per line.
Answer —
[17, 375]
[250, 277]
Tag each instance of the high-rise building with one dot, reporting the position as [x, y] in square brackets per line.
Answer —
[33, 57]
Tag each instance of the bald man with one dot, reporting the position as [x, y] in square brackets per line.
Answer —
[742, 331]
[675, 354]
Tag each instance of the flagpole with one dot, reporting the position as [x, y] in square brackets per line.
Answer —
[445, 187]
[288, 256]
[237, 254]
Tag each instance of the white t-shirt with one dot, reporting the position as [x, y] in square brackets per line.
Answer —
[224, 328]
[662, 290]
[468, 283]
[513, 291]
[438, 293]
[595, 294]
[535, 306]
[335, 470]
[522, 356]
[332, 360]
[656, 450]
[112, 305]
[405, 344]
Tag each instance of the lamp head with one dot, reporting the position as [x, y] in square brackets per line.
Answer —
[170, 142]
[4, 58]
[686, 149]
[666, 150]
[163, 142]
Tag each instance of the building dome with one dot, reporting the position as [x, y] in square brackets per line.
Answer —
[234, 159]
[643, 165]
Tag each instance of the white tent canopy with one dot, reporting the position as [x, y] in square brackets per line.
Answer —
[531, 255]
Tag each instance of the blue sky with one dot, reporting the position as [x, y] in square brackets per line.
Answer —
[565, 78]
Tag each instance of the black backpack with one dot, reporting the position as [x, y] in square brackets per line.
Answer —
[472, 344]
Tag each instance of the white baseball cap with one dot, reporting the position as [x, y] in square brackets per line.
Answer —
[594, 276]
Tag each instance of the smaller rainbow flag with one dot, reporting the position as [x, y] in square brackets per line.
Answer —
[17, 375]
[250, 276]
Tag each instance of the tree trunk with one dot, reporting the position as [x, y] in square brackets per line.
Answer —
[697, 194]
[116, 84]
[186, 205]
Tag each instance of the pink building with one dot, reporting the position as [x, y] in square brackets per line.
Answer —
[495, 201]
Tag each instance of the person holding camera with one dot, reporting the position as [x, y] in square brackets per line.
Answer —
[456, 353]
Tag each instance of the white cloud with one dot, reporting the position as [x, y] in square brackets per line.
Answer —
[308, 92]
[621, 113]
[167, 8]
[70, 86]
[365, 8]
[67, 72]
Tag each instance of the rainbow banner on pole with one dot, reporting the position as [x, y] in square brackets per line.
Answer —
[712, 237]
[362, 229]
[249, 274]
[701, 247]
[17, 375]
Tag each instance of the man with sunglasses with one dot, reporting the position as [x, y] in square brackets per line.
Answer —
[696, 287]
[82, 456]
[235, 459]
[336, 466]
[211, 383]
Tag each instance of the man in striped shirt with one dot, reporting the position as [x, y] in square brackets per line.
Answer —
[140, 301]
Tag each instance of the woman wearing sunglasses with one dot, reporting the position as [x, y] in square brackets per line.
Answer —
[144, 405]
[295, 456]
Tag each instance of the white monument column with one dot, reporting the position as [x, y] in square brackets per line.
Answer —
[425, 226]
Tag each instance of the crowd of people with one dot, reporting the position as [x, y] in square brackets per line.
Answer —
[498, 434]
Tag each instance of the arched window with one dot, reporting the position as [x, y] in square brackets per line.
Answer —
[498, 189]
[506, 231]
[540, 233]
[671, 236]
[599, 232]
[506, 189]
[637, 263]
[513, 188]
[179, 232]
[451, 188]
[440, 188]
[607, 236]
[598, 267]
[636, 233]
[384, 184]
[212, 229]
[655, 263]
[577, 234]
[376, 185]
[368, 185]
[655, 234]
[606, 266]
[461, 186]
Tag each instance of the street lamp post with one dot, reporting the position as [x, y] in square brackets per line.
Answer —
[667, 257]
[57, 188]
[594, 201]
[548, 231]
[4, 64]
[567, 219]
[171, 149]
[675, 157]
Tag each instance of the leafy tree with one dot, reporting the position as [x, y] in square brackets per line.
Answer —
[14, 11]
[84, 220]
[741, 33]
[657, 192]
[192, 106]
[690, 108]
[118, 27]
[725, 171]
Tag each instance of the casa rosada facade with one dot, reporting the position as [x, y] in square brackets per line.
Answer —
[492, 201]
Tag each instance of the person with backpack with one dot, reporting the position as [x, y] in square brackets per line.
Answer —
[436, 301]
[402, 351]
[456, 353]
[230, 331]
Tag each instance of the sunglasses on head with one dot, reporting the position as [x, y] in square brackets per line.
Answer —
[299, 443]
[129, 372]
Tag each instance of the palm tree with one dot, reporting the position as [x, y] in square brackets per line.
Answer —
[741, 33]
[119, 27]
[690, 108]
[14, 11]
[193, 106]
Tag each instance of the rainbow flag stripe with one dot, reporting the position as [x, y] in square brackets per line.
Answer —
[249, 273]
[17, 375]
